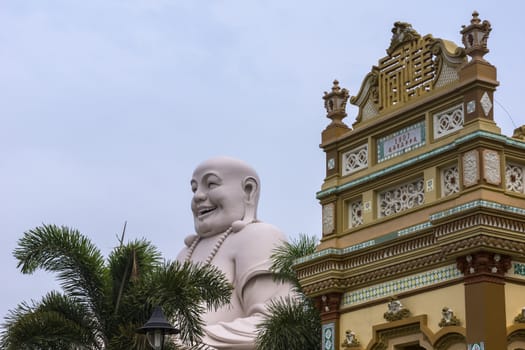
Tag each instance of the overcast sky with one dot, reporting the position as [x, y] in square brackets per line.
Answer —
[106, 106]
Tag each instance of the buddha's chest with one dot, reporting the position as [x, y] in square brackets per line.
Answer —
[219, 254]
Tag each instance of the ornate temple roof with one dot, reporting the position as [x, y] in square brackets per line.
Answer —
[415, 66]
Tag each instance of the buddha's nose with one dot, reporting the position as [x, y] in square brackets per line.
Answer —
[199, 196]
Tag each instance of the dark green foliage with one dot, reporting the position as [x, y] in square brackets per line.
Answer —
[103, 304]
[284, 256]
[294, 323]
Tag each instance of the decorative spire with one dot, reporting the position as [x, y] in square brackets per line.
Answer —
[335, 103]
[475, 37]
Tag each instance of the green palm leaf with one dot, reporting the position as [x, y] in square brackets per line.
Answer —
[103, 305]
[128, 263]
[185, 290]
[284, 256]
[294, 324]
[56, 322]
[79, 265]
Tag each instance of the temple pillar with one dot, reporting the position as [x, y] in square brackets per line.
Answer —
[328, 306]
[485, 298]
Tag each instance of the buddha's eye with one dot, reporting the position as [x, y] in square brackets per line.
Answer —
[193, 187]
[213, 181]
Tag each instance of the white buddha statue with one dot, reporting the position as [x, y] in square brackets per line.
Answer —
[229, 236]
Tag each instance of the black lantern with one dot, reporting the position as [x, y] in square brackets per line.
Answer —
[157, 328]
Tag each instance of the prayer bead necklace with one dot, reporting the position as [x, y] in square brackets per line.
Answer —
[215, 249]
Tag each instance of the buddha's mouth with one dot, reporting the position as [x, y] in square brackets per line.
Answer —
[205, 211]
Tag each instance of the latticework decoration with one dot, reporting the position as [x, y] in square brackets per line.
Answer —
[414, 66]
[355, 159]
[448, 121]
[401, 198]
[450, 180]
[514, 177]
[356, 213]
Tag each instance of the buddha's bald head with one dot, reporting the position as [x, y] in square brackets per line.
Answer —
[225, 194]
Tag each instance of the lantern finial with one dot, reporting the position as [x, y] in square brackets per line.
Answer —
[335, 103]
[475, 36]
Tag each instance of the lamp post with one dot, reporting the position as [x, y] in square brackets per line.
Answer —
[157, 328]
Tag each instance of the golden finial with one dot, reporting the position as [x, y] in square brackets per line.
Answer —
[335, 102]
[475, 36]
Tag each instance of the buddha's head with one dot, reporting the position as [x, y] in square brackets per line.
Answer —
[225, 194]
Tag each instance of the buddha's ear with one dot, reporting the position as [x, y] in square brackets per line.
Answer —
[251, 189]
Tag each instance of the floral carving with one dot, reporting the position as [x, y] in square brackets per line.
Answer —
[470, 168]
[356, 213]
[491, 167]
[328, 218]
[401, 198]
[450, 180]
[514, 177]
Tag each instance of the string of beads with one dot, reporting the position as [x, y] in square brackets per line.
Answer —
[215, 249]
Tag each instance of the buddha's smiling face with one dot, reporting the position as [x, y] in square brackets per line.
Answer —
[218, 197]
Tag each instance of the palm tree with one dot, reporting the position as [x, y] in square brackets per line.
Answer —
[102, 303]
[294, 323]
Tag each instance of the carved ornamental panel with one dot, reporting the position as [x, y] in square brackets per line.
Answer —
[449, 180]
[328, 218]
[491, 167]
[486, 104]
[415, 66]
[470, 168]
[448, 121]
[328, 341]
[355, 213]
[514, 177]
[401, 198]
[355, 159]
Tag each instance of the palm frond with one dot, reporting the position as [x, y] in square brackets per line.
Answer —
[73, 311]
[78, 263]
[56, 322]
[292, 324]
[129, 262]
[102, 305]
[284, 256]
[185, 290]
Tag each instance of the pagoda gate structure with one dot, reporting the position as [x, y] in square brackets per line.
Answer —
[423, 205]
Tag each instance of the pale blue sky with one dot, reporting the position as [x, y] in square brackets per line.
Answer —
[106, 106]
